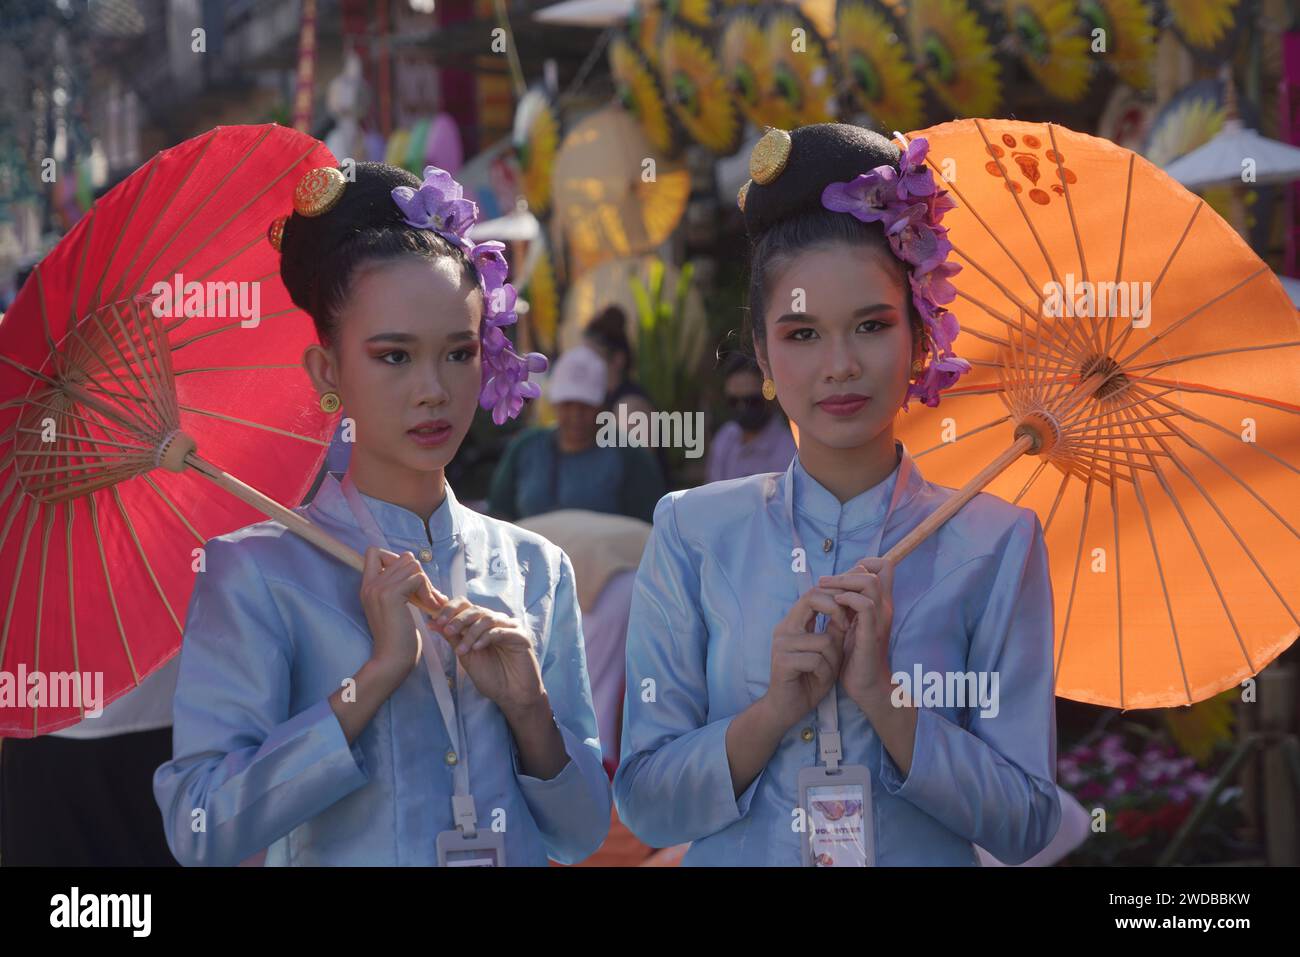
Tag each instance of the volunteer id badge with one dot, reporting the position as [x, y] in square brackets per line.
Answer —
[485, 849]
[838, 827]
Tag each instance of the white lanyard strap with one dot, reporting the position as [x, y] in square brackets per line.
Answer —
[828, 724]
[462, 802]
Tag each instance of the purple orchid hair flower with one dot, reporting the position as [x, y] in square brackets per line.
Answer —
[440, 205]
[866, 196]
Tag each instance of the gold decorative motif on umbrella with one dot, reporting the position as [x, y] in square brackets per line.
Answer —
[536, 138]
[614, 195]
[1052, 45]
[878, 76]
[955, 56]
[802, 83]
[638, 91]
[696, 89]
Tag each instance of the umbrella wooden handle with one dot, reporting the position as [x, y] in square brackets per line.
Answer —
[296, 523]
[951, 507]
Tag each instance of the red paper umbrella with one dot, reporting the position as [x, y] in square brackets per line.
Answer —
[105, 379]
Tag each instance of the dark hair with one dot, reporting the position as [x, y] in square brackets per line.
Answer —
[786, 239]
[739, 361]
[320, 255]
[609, 328]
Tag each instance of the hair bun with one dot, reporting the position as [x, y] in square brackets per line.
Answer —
[818, 154]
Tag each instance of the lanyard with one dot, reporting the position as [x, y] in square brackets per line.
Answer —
[462, 802]
[828, 730]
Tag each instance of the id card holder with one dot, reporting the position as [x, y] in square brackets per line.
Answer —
[839, 830]
[486, 848]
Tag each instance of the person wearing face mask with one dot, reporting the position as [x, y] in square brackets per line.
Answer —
[765, 721]
[755, 439]
[317, 716]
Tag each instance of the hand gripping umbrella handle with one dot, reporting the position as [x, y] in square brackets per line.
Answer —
[297, 524]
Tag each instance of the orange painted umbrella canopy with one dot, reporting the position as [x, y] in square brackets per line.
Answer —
[1100, 296]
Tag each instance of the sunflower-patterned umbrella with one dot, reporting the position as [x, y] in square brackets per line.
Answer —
[696, 88]
[1130, 32]
[742, 51]
[803, 78]
[643, 27]
[1049, 38]
[637, 87]
[952, 47]
[876, 73]
[698, 13]
[1208, 28]
[536, 139]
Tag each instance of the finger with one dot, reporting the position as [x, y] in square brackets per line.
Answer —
[803, 662]
[478, 628]
[452, 607]
[371, 563]
[883, 569]
[460, 621]
[504, 636]
[821, 600]
[864, 606]
[828, 649]
[868, 584]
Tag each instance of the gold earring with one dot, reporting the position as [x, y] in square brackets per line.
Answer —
[769, 389]
[330, 402]
[916, 368]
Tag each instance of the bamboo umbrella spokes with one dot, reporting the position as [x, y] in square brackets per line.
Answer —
[107, 412]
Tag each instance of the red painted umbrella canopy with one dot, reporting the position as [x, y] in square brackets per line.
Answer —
[99, 546]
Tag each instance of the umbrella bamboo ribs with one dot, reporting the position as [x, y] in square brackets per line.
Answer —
[108, 412]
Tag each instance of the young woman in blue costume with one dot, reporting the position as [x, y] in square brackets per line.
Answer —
[316, 716]
[749, 730]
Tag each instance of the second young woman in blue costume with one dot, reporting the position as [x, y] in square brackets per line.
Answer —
[312, 719]
[732, 691]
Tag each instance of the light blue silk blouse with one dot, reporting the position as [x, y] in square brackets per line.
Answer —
[274, 627]
[716, 579]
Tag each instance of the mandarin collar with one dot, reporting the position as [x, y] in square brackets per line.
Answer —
[816, 501]
[446, 522]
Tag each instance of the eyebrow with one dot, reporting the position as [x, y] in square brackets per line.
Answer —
[405, 337]
[860, 311]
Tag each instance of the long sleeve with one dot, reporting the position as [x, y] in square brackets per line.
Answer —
[674, 780]
[994, 783]
[244, 771]
[572, 808]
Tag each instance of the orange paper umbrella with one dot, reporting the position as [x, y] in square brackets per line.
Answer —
[1135, 382]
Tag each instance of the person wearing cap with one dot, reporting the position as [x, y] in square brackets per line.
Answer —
[766, 720]
[545, 469]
